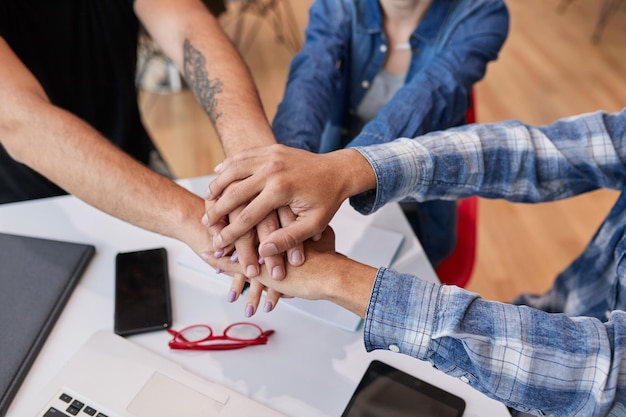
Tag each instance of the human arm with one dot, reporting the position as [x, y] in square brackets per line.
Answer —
[222, 84]
[76, 157]
[315, 74]
[526, 358]
[508, 160]
[343, 281]
[214, 70]
[435, 96]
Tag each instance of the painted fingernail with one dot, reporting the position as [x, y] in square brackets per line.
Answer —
[249, 310]
[219, 167]
[268, 307]
[205, 256]
[218, 254]
[297, 257]
[261, 260]
[234, 257]
[205, 219]
[218, 271]
[232, 296]
[278, 272]
[207, 194]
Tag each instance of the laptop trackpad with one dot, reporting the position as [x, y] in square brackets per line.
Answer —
[163, 396]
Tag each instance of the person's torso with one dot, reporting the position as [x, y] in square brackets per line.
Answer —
[368, 49]
[83, 52]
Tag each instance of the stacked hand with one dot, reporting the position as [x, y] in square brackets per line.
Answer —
[274, 198]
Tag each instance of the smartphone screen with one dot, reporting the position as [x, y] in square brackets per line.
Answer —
[142, 292]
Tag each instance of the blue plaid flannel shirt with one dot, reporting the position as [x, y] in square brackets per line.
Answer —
[559, 354]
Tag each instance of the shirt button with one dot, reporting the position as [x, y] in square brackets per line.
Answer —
[383, 48]
[464, 379]
[394, 348]
[365, 84]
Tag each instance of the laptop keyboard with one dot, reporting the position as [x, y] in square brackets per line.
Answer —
[68, 405]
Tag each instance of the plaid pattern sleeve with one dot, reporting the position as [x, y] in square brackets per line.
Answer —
[507, 160]
[562, 353]
[536, 362]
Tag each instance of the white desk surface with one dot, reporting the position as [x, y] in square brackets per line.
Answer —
[308, 368]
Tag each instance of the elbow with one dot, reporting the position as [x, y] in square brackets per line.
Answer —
[18, 120]
[10, 128]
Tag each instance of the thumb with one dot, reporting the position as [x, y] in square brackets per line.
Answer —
[289, 236]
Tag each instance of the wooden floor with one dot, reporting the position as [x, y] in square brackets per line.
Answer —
[548, 69]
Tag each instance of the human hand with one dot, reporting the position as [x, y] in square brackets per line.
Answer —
[244, 253]
[326, 275]
[312, 186]
[253, 298]
[246, 245]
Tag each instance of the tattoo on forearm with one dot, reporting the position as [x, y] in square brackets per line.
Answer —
[201, 85]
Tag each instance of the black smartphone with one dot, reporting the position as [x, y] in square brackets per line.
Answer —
[387, 391]
[142, 292]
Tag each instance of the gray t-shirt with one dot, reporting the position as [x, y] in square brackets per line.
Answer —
[383, 87]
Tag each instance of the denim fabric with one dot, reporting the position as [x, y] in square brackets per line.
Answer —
[345, 47]
[434, 223]
[562, 353]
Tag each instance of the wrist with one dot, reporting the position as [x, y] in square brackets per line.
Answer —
[350, 285]
[252, 134]
[357, 174]
[188, 227]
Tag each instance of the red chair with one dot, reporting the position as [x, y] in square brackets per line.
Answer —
[457, 268]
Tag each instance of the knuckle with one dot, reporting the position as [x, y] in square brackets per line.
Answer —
[289, 240]
[273, 167]
[230, 192]
[245, 218]
[249, 235]
[267, 225]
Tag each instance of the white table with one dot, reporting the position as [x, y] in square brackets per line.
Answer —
[308, 368]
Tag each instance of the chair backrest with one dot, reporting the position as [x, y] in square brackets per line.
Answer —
[470, 114]
[457, 268]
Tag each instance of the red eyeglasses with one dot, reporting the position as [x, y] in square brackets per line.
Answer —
[200, 337]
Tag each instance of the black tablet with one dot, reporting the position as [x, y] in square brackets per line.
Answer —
[385, 391]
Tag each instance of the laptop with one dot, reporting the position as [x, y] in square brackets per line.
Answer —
[113, 377]
[37, 278]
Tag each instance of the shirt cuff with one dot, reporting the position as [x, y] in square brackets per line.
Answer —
[400, 168]
[401, 314]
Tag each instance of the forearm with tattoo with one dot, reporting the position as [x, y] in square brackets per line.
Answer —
[204, 89]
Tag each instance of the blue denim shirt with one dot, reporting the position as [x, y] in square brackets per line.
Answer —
[562, 353]
[345, 47]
